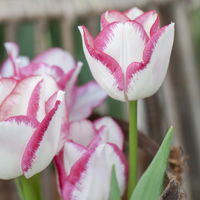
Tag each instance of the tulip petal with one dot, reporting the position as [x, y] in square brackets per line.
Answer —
[12, 49]
[129, 38]
[70, 86]
[145, 79]
[65, 121]
[44, 142]
[104, 68]
[48, 87]
[33, 105]
[49, 104]
[111, 132]
[6, 69]
[132, 13]
[72, 153]
[60, 170]
[17, 103]
[70, 77]
[88, 97]
[91, 175]
[82, 132]
[57, 57]
[112, 16]
[9, 67]
[43, 69]
[40, 96]
[14, 136]
[150, 21]
[6, 87]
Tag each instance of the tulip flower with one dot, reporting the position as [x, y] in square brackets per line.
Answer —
[130, 56]
[61, 66]
[27, 143]
[85, 163]
[34, 112]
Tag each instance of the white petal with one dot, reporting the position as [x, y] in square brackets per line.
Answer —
[148, 20]
[111, 132]
[7, 68]
[124, 42]
[112, 16]
[133, 13]
[14, 137]
[72, 153]
[40, 151]
[6, 87]
[17, 102]
[103, 75]
[12, 49]
[88, 97]
[49, 87]
[70, 86]
[91, 174]
[147, 81]
[58, 57]
[81, 132]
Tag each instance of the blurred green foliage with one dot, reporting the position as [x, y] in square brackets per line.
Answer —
[2, 40]
[55, 38]
[25, 39]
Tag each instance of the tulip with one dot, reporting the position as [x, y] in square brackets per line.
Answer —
[130, 56]
[34, 109]
[61, 66]
[85, 163]
[27, 143]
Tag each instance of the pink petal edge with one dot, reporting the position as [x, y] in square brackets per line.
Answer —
[34, 142]
[110, 63]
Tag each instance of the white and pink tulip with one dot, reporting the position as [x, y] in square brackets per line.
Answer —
[129, 58]
[37, 99]
[61, 66]
[85, 163]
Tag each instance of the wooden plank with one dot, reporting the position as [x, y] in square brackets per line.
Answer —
[40, 36]
[28, 9]
[67, 33]
[185, 86]
[10, 31]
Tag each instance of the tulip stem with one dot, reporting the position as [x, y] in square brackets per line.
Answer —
[133, 147]
[29, 189]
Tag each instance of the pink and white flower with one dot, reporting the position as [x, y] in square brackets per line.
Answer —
[61, 66]
[34, 112]
[29, 136]
[129, 58]
[85, 163]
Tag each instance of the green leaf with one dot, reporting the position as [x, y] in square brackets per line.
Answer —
[150, 184]
[114, 190]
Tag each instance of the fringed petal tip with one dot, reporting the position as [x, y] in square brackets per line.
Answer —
[44, 142]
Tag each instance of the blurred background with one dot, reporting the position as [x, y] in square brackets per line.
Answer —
[41, 24]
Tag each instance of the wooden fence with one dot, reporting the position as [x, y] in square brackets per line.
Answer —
[178, 101]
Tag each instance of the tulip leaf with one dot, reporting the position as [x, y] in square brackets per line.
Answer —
[150, 184]
[114, 189]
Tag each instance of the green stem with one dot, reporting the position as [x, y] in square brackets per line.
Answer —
[29, 189]
[133, 147]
